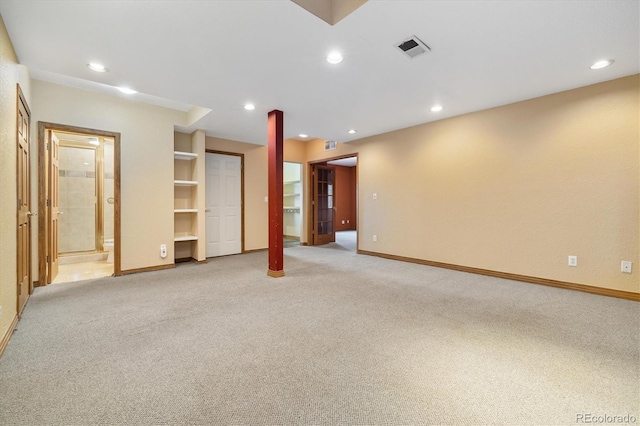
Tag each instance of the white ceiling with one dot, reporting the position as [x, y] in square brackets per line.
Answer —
[222, 54]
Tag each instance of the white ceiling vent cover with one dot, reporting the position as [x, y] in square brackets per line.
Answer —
[413, 47]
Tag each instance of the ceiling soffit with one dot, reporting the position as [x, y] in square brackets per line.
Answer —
[330, 11]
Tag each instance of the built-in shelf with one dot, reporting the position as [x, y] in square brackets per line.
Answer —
[185, 182]
[185, 238]
[185, 210]
[291, 195]
[291, 209]
[179, 155]
[291, 181]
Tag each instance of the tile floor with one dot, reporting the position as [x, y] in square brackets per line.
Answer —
[83, 271]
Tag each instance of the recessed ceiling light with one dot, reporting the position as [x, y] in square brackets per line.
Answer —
[334, 58]
[127, 91]
[302, 135]
[249, 107]
[97, 67]
[436, 108]
[352, 131]
[602, 64]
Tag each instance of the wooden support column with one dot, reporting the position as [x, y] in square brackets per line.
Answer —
[275, 145]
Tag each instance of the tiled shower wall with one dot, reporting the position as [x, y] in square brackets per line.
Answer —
[77, 223]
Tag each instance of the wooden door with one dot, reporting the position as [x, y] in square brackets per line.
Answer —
[223, 214]
[53, 145]
[323, 205]
[24, 210]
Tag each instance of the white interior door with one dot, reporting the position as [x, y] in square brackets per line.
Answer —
[223, 204]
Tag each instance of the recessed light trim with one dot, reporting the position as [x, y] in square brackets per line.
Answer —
[94, 66]
[352, 131]
[335, 57]
[601, 64]
[127, 91]
[249, 107]
[302, 135]
[436, 108]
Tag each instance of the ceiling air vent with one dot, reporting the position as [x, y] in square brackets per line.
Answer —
[329, 145]
[413, 47]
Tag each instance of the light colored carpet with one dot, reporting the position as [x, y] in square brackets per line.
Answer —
[341, 339]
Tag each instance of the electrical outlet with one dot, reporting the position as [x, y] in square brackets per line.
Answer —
[375, 238]
[626, 266]
[163, 250]
[573, 260]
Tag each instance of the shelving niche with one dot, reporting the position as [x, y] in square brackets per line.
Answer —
[189, 198]
[292, 200]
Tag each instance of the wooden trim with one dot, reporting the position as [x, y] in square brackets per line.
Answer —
[275, 274]
[147, 269]
[190, 259]
[516, 277]
[43, 231]
[254, 250]
[42, 201]
[213, 151]
[339, 157]
[5, 339]
[117, 208]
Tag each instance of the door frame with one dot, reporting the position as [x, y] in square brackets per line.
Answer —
[311, 191]
[20, 99]
[43, 193]
[235, 154]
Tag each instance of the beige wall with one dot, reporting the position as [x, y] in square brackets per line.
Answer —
[146, 152]
[514, 189]
[11, 74]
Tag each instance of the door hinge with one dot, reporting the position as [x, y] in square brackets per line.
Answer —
[47, 258]
[19, 203]
[48, 146]
[48, 203]
[19, 289]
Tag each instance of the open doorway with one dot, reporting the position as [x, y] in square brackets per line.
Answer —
[333, 202]
[79, 193]
[292, 204]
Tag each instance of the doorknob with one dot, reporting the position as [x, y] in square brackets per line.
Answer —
[60, 212]
[29, 214]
